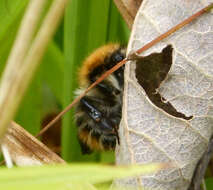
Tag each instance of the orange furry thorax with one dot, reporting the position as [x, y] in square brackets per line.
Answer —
[94, 60]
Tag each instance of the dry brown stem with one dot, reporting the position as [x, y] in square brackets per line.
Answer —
[25, 149]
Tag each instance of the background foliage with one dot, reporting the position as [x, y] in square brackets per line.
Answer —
[86, 26]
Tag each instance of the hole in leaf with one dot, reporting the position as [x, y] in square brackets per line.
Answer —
[150, 72]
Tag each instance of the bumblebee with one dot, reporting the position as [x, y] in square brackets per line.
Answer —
[98, 114]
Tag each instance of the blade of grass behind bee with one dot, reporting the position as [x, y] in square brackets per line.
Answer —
[85, 29]
[98, 24]
[117, 28]
[72, 32]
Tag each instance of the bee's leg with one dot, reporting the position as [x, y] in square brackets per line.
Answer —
[90, 109]
[103, 129]
[86, 110]
[105, 123]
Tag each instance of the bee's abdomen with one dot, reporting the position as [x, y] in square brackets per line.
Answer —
[96, 134]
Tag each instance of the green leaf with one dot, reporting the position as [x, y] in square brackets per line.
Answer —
[73, 176]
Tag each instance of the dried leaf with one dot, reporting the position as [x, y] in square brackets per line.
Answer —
[128, 9]
[26, 150]
[147, 132]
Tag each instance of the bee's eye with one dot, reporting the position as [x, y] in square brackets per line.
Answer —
[117, 57]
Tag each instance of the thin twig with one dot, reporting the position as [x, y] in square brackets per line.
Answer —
[147, 46]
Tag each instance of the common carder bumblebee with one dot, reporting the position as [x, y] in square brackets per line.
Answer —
[98, 113]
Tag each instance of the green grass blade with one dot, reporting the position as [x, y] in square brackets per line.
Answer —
[87, 26]
[70, 146]
[62, 176]
[117, 28]
[85, 29]
[98, 21]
